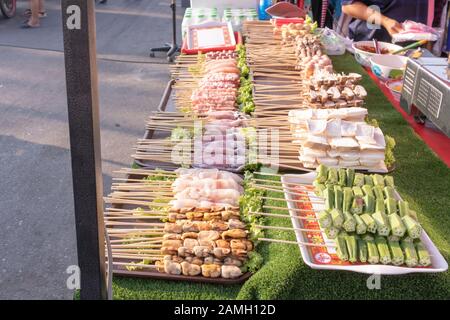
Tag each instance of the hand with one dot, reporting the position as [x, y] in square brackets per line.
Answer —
[392, 26]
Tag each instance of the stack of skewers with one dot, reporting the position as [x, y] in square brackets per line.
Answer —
[203, 233]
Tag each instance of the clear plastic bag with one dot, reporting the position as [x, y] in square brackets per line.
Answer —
[333, 43]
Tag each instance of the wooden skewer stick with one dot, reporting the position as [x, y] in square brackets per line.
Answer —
[304, 244]
[277, 215]
[135, 265]
[286, 228]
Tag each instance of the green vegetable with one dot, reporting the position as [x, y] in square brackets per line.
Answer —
[383, 250]
[411, 258]
[367, 189]
[378, 180]
[397, 226]
[348, 198]
[352, 248]
[342, 177]
[403, 208]
[357, 206]
[379, 205]
[338, 197]
[254, 261]
[368, 237]
[370, 222]
[331, 232]
[412, 227]
[389, 158]
[337, 217]
[361, 227]
[389, 192]
[391, 205]
[413, 214]
[383, 227]
[368, 180]
[322, 174]
[350, 177]
[369, 204]
[324, 219]
[359, 180]
[393, 238]
[333, 177]
[396, 253]
[341, 248]
[329, 198]
[378, 192]
[318, 188]
[357, 192]
[372, 251]
[422, 252]
[389, 181]
[349, 222]
[362, 250]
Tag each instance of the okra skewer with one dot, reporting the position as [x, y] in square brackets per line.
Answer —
[362, 250]
[397, 227]
[341, 248]
[413, 228]
[350, 176]
[411, 258]
[383, 250]
[373, 256]
[422, 252]
[361, 227]
[383, 227]
[349, 224]
[352, 248]
[370, 222]
[396, 253]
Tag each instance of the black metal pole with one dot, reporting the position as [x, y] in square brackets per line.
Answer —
[83, 108]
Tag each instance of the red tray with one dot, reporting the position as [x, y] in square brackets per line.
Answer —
[185, 50]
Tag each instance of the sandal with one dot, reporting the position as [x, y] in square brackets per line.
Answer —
[42, 14]
[26, 25]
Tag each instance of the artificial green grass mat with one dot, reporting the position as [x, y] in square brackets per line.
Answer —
[421, 178]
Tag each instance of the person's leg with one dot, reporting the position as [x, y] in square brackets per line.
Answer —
[34, 19]
[41, 6]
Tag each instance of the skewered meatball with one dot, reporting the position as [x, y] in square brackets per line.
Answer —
[190, 269]
[171, 267]
[234, 234]
[208, 235]
[231, 272]
[201, 251]
[211, 270]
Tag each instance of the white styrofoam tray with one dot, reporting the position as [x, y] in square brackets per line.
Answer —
[438, 263]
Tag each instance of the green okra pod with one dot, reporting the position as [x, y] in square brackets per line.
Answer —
[383, 250]
[378, 192]
[370, 222]
[331, 232]
[389, 192]
[338, 197]
[324, 218]
[341, 248]
[389, 181]
[352, 248]
[322, 174]
[350, 177]
[383, 227]
[373, 256]
[367, 190]
[362, 251]
[349, 222]
[361, 227]
[333, 177]
[396, 253]
[358, 180]
[347, 199]
[397, 227]
[329, 198]
[318, 188]
[413, 228]
[391, 205]
[369, 204]
[342, 177]
[409, 250]
[378, 180]
[337, 217]
[379, 205]
[368, 180]
[422, 252]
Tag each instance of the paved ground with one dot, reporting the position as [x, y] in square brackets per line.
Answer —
[37, 237]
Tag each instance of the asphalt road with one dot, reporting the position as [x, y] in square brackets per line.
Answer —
[37, 235]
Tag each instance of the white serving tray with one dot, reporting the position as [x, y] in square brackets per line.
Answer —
[438, 263]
